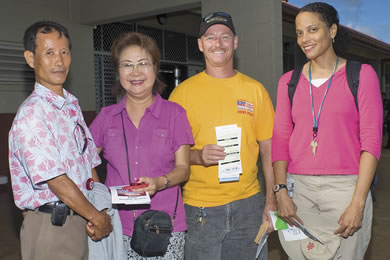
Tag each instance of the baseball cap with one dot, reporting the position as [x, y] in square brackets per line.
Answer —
[323, 227]
[216, 18]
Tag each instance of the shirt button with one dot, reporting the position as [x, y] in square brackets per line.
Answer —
[136, 162]
[136, 147]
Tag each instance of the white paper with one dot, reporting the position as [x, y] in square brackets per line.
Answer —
[239, 145]
[307, 232]
[293, 233]
[290, 233]
[121, 196]
[229, 136]
[262, 242]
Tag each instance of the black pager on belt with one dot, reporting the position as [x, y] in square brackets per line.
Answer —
[59, 214]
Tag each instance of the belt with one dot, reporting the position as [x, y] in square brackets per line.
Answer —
[48, 208]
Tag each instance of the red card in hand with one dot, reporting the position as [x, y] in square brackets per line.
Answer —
[134, 186]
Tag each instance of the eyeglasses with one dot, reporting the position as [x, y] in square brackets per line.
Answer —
[142, 66]
[216, 16]
[80, 138]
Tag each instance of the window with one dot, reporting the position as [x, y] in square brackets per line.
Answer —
[13, 68]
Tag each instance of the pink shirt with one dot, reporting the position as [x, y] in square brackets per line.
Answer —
[343, 132]
[162, 130]
[45, 142]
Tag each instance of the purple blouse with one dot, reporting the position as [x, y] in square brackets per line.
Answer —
[162, 130]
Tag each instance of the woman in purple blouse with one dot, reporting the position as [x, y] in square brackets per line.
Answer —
[145, 138]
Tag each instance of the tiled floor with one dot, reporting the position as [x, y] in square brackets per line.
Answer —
[379, 249]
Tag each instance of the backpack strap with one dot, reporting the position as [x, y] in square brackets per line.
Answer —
[292, 84]
[353, 72]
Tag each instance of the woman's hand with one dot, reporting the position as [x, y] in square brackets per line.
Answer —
[178, 175]
[350, 221]
[287, 210]
[154, 184]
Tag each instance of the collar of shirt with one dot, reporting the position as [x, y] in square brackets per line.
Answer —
[53, 98]
[154, 108]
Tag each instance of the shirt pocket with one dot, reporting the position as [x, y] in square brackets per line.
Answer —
[114, 139]
[159, 135]
[160, 140]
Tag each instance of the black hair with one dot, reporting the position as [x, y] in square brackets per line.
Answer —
[44, 27]
[329, 15]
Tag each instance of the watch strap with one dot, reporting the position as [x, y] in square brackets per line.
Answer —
[278, 187]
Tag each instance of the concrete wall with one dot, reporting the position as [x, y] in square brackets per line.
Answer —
[187, 23]
[16, 16]
[258, 24]
[103, 11]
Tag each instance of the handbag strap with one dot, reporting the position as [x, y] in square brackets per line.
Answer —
[127, 149]
[177, 200]
[128, 170]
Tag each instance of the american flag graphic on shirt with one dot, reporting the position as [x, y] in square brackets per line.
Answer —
[244, 107]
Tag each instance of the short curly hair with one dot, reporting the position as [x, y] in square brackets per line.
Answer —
[327, 13]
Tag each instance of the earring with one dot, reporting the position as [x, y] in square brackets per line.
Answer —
[333, 40]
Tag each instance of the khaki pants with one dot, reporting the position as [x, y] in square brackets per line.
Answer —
[40, 240]
[330, 195]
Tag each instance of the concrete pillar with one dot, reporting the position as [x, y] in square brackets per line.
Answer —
[258, 24]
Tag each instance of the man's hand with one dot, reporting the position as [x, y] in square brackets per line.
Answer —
[286, 208]
[265, 147]
[350, 221]
[67, 191]
[101, 227]
[269, 206]
[211, 154]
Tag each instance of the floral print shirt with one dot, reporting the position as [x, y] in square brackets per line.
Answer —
[48, 138]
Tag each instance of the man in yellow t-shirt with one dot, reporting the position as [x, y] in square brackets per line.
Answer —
[223, 217]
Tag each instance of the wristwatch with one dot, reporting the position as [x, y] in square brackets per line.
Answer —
[277, 187]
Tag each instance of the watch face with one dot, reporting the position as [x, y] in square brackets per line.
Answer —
[277, 187]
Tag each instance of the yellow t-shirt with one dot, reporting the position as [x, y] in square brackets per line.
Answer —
[212, 102]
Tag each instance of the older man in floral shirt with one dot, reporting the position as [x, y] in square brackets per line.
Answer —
[52, 155]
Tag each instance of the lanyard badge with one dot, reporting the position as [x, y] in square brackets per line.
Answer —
[314, 143]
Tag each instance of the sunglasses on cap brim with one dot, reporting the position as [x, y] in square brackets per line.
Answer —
[210, 16]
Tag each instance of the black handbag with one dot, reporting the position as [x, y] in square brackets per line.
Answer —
[153, 228]
[152, 231]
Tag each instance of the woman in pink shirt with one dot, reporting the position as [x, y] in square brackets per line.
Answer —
[326, 144]
[145, 138]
